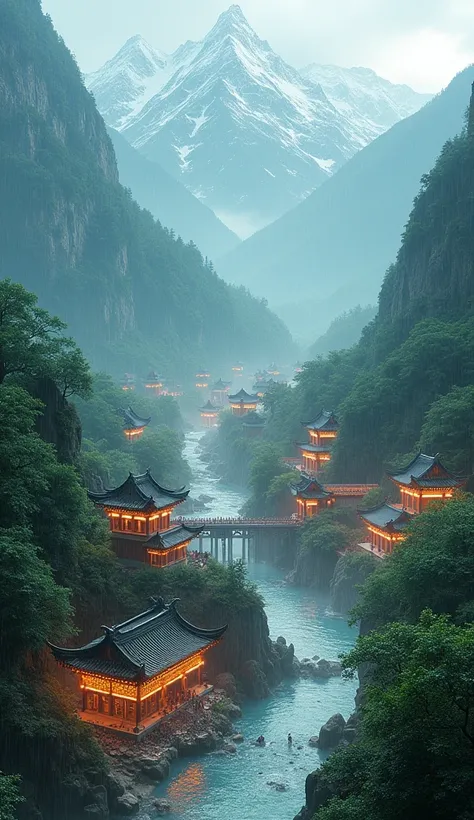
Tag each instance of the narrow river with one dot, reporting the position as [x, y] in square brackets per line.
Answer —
[236, 787]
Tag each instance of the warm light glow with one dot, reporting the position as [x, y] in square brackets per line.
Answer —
[128, 517]
[114, 515]
[139, 517]
[169, 682]
[193, 668]
[149, 694]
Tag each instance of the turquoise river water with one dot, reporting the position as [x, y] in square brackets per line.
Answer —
[236, 787]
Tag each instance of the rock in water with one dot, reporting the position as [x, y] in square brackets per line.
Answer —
[330, 735]
[162, 806]
[127, 804]
[254, 680]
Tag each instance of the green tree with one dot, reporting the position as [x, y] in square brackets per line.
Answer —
[432, 568]
[415, 755]
[10, 796]
[449, 429]
[160, 451]
[31, 343]
[265, 467]
[33, 608]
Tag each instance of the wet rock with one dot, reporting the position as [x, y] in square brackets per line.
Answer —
[203, 742]
[254, 680]
[314, 741]
[156, 770]
[162, 806]
[128, 804]
[227, 682]
[238, 738]
[281, 640]
[330, 735]
[171, 753]
[317, 795]
[349, 735]
[316, 658]
[279, 787]
[115, 787]
[231, 748]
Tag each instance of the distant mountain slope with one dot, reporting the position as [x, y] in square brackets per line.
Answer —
[134, 296]
[243, 130]
[344, 331]
[170, 202]
[364, 96]
[343, 237]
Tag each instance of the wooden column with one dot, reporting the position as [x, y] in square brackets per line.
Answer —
[138, 715]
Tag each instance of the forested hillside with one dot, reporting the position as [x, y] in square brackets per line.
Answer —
[340, 241]
[133, 294]
[409, 381]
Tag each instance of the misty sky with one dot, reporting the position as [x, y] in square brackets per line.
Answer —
[420, 42]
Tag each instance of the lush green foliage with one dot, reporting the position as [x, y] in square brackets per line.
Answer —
[432, 568]
[449, 428]
[344, 331]
[266, 471]
[31, 344]
[10, 796]
[415, 755]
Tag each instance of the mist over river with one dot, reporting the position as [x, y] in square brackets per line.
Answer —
[235, 787]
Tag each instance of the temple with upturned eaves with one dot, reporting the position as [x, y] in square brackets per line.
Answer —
[139, 513]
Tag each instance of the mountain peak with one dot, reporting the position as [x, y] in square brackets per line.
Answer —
[232, 18]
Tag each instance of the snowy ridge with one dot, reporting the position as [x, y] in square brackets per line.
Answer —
[243, 130]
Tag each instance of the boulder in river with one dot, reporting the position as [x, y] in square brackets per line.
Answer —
[162, 806]
[128, 804]
[330, 735]
[227, 682]
[254, 681]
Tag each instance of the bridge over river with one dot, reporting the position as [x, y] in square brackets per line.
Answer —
[255, 534]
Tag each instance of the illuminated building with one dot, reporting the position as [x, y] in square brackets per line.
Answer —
[262, 386]
[273, 370]
[174, 390]
[141, 669]
[154, 383]
[128, 382]
[202, 379]
[220, 392]
[243, 403]
[209, 414]
[133, 425]
[423, 481]
[238, 369]
[312, 496]
[322, 432]
[139, 513]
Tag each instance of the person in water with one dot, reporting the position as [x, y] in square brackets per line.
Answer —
[261, 740]
[290, 740]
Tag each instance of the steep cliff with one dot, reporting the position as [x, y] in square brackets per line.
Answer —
[133, 295]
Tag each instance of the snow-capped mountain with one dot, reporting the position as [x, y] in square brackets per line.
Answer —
[360, 94]
[244, 131]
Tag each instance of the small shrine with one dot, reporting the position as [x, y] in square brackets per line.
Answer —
[243, 403]
[139, 513]
[128, 382]
[311, 497]
[202, 379]
[253, 425]
[133, 424]
[209, 414]
[423, 481]
[154, 383]
[219, 392]
[140, 670]
[322, 432]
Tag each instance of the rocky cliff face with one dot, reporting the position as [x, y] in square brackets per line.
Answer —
[58, 423]
[70, 233]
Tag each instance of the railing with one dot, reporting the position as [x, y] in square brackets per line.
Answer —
[241, 522]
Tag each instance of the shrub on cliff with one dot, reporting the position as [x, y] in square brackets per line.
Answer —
[415, 756]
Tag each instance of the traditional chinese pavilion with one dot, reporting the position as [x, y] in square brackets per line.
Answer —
[133, 425]
[174, 390]
[263, 386]
[253, 425]
[238, 369]
[422, 481]
[140, 670]
[243, 403]
[139, 513]
[311, 497]
[385, 525]
[202, 379]
[154, 383]
[322, 433]
[128, 382]
[209, 414]
[219, 392]
[273, 370]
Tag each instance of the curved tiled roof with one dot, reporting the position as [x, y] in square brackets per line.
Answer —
[142, 647]
[243, 396]
[173, 537]
[131, 421]
[386, 516]
[326, 420]
[309, 488]
[316, 448]
[139, 492]
[209, 406]
[426, 471]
